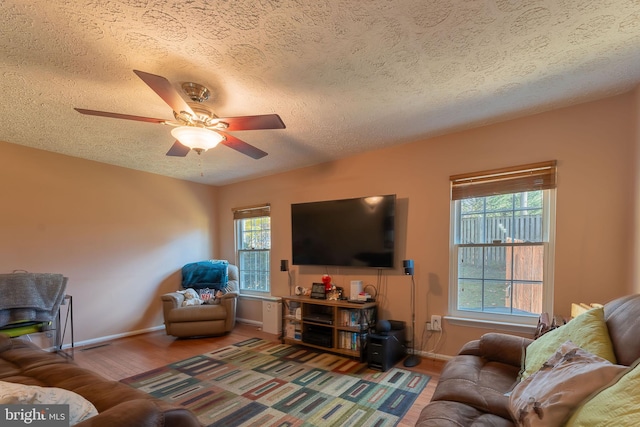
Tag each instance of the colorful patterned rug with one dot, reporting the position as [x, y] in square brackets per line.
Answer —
[264, 383]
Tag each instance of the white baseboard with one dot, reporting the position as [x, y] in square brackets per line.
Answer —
[100, 340]
[256, 323]
[435, 356]
[249, 322]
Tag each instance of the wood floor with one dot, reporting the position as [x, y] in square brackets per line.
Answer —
[129, 356]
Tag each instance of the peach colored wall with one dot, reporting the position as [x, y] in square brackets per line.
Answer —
[595, 145]
[636, 196]
[120, 235]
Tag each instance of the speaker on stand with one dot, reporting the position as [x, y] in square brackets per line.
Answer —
[408, 267]
[284, 266]
[412, 359]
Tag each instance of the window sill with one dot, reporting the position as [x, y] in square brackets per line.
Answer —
[491, 324]
[259, 297]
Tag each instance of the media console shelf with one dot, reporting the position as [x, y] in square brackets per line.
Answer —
[337, 326]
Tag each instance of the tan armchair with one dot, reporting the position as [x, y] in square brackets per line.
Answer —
[201, 320]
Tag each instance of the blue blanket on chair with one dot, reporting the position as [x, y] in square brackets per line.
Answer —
[212, 274]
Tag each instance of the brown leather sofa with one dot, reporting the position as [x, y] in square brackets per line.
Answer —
[117, 404]
[472, 386]
[201, 320]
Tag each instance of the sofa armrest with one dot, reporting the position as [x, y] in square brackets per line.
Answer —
[472, 348]
[170, 302]
[504, 348]
[173, 299]
[230, 301]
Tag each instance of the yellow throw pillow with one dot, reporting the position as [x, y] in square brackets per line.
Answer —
[615, 406]
[588, 331]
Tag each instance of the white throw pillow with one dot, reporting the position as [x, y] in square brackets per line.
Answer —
[19, 394]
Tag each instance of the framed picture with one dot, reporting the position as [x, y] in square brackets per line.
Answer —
[318, 291]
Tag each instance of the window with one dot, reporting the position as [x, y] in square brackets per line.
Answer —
[502, 233]
[253, 246]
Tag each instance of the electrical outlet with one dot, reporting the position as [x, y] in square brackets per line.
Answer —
[428, 326]
[436, 323]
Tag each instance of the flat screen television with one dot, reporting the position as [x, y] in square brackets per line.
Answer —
[355, 232]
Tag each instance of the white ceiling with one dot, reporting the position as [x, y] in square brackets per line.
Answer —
[345, 76]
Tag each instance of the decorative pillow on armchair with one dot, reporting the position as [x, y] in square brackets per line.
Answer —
[211, 296]
[549, 397]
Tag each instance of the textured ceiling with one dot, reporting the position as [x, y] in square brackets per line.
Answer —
[344, 75]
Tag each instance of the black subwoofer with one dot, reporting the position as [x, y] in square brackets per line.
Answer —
[386, 348]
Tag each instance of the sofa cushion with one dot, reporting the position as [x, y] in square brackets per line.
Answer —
[80, 408]
[198, 313]
[614, 406]
[549, 396]
[454, 414]
[588, 331]
[117, 404]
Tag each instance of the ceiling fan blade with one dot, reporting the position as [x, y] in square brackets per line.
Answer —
[266, 121]
[243, 147]
[166, 91]
[178, 150]
[119, 116]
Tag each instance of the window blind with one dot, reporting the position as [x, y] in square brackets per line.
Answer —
[252, 211]
[531, 177]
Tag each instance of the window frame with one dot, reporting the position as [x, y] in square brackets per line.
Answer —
[509, 321]
[240, 216]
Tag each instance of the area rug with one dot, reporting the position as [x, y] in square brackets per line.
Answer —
[264, 383]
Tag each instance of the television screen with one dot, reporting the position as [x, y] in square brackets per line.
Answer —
[349, 233]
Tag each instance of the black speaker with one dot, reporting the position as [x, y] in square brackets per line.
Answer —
[408, 267]
[284, 265]
[383, 326]
[386, 349]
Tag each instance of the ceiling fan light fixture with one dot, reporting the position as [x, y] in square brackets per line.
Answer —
[197, 138]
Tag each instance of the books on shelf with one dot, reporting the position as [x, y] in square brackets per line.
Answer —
[293, 326]
[350, 317]
[351, 340]
[293, 330]
[335, 325]
[293, 309]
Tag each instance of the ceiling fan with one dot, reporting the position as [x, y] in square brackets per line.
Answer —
[196, 127]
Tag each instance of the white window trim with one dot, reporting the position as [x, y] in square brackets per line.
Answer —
[245, 292]
[250, 293]
[509, 322]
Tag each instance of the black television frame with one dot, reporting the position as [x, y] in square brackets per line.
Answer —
[354, 232]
